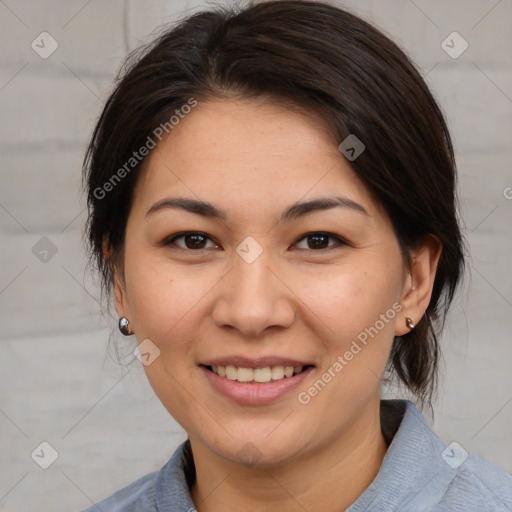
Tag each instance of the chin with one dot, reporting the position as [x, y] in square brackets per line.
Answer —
[259, 451]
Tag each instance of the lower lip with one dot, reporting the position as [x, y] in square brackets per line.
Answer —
[253, 393]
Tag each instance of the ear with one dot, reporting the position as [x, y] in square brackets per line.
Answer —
[419, 283]
[120, 296]
[118, 284]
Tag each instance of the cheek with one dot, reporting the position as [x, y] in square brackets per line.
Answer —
[354, 312]
[164, 301]
[351, 298]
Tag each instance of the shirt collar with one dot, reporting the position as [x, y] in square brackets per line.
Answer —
[412, 467]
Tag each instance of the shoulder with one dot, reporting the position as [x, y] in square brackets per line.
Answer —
[462, 482]
[138, 495]
[477, 485]
[165, 489]
[422, 473]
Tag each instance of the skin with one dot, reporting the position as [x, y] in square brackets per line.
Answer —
[253, 160]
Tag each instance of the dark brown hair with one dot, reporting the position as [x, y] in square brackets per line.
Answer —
[326, 61]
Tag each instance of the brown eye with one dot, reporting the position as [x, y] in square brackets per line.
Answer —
[319, 240]
[191, 240]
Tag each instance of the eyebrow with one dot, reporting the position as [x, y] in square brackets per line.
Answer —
[296, 210]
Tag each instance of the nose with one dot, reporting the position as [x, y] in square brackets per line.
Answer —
[253, 298]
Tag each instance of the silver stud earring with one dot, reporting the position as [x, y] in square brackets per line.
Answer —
[123, 326]
[409, 323]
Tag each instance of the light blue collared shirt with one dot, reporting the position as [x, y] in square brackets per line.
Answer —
[418, 474]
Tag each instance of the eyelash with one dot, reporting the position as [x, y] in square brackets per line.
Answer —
[340, 241]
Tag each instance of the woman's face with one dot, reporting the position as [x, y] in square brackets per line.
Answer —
[262, 283]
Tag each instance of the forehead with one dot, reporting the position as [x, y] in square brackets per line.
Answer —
[248, 153]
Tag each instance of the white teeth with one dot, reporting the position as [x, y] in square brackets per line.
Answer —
[244, 374]
[261, 375]
[277, 372]
[231, 372]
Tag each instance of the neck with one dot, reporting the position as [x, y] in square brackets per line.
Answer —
[330, 478]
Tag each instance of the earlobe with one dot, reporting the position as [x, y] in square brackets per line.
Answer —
[122, 306]
[419, 284]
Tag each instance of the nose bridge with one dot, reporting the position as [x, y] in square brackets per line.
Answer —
[253, 279]
[253, 298]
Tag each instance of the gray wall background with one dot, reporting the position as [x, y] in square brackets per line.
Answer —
[59, 385]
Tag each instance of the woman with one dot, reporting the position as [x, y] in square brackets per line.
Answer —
[272, 203]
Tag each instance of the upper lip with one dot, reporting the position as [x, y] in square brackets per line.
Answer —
[258, 362]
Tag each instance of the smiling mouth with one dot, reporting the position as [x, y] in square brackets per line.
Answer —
[256, 375]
